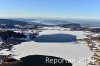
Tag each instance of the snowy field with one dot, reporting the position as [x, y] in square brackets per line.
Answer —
[75, 52]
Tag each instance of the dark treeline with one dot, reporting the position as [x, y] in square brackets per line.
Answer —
[10, 38]
[10, 34]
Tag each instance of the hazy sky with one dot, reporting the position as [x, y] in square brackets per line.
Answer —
[50, 8]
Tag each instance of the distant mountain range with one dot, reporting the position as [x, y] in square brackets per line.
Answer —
[86, 22]
[42, 21]
[47, 21]
[12, 22]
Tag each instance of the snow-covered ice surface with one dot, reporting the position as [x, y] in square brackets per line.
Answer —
[67, 51]
[79, 34]
[74, 52]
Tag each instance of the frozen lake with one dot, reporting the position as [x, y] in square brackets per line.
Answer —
[56, 38]
[71, 51]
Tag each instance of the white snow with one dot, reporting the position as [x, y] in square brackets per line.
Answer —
[70, 51]
[4, 52]
[64, 50]
[79, 34]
